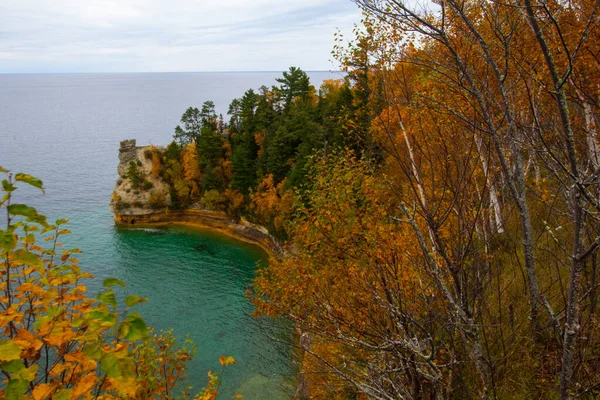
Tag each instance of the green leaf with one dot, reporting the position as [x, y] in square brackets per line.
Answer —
[29, 212]
[7, 187]
[62, 394]
[110, 365]
[22, 209]
[53, 312]
[134, 327]
[16, 388]
[9, 350]
[110, 282]
[110, 319]
[48, 228]
[133, 299]
[108, 298]
[25, 257]
[12, 366]
[7, 240]
[3, 169]
[92, 351]
[31, 180]
[26, 374]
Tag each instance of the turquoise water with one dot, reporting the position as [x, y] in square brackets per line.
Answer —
[195, 281]
[65, 129]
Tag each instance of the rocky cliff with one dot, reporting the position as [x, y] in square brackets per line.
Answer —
[141, 199]
[137, 191]
[215, 220]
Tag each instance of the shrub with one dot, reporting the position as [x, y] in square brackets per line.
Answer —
[134, 173]
[213, 200]
[147, 185]
[139, 162]
[156, 164]
[148, 154]
[235, 201]
[173, 151]
[121, 205]
[157, 200]
[57, 343]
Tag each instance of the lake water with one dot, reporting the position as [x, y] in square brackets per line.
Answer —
[65, 129]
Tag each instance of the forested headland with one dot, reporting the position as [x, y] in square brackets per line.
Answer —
[440, 203]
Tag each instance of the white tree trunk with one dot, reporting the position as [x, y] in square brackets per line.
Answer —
[498, 226]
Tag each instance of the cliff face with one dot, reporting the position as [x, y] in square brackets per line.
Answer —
[219, 221]
[141, 199]
[137, 191]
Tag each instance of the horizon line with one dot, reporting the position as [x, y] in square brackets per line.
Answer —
[160, 72]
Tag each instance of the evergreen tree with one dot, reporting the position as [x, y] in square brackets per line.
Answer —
[244, 164]
[294, 83]
[192, 123]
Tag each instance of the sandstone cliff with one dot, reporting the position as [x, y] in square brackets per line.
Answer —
[137, 191]
[140, 199]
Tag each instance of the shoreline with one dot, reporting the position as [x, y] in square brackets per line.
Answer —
[221, 223]
[211, 220]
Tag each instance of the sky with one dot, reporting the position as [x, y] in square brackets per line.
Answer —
[170, 35]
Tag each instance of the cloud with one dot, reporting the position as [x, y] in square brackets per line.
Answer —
[170, 35]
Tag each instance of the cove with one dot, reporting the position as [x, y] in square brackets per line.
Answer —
[196, 282]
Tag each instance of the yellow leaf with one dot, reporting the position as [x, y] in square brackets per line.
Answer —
[125, 386]
[9, 350]
[84, 385]
[26, 374]
[226, 360]
[42, 391]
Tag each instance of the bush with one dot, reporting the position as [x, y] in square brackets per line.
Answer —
[147, 185]
[173, 151]
[134, 173]
[213, 200]
[157, 200]
[57, 343]
[139, 162]
[121, 205]
[148, 154]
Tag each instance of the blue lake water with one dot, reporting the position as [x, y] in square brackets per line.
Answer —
[65, 129]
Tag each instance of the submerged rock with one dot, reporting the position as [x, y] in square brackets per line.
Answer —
[260, 387]
[204, 248]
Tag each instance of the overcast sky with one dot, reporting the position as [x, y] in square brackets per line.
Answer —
[170, 35]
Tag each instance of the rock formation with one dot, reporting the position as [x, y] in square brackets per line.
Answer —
[137, 192]
[127, 153]
[145, 200]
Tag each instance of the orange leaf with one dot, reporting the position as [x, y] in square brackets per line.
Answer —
[42, 391]
[226, 360]
[84, 385]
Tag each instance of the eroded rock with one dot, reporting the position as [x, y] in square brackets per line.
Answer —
[127, 153]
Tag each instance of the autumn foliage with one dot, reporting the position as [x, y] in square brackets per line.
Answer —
[58, 343]
[453, 254]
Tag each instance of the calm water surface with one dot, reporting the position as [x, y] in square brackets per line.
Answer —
[65, 129]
